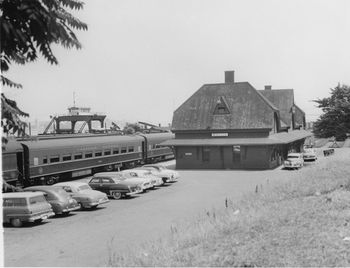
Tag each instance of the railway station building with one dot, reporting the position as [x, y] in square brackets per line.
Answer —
[232, 125]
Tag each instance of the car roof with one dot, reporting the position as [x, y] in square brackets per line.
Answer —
[111, 173]
[21, 194]
[48, 188]
[70, 183]
[296, 154]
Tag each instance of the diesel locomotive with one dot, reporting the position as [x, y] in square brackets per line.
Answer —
[48, 160]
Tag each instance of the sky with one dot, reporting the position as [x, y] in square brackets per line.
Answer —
[141, 59]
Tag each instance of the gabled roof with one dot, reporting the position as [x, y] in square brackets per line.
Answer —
[247, 108]
[283, 100]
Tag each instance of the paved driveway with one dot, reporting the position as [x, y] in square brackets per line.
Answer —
[83, 238]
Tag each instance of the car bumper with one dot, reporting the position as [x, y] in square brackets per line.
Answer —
[99, 202]
[43, 216]
[133, 193]
[71, 208]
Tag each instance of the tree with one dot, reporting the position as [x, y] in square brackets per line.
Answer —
[335, 122]
[29, 28]
[131, 128]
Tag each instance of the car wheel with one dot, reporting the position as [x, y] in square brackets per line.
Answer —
[16, 222]
[65, 213]
[38, 221]
[116, 195]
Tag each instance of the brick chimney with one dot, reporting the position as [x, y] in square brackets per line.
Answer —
[268, 87]
[229, 77]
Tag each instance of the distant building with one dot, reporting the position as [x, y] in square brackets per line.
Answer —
[232, 125]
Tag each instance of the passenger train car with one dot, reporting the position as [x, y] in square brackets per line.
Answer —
[50, 160]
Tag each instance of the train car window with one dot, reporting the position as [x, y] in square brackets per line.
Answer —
[139, 149]
[123, 151]
[158, 146]
[67, 158]
[115, 150]
[98, 154]
[45, 160]
[150, 147]
[131, 149]
[88, 155]
[78, 156]
[107, 152]
[54, 159]
[36, 161]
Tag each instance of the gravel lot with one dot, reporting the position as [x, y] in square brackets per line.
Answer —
[83, 238]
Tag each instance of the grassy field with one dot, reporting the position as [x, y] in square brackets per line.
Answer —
[305, 222]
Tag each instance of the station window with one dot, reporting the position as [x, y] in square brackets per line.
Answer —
[98, 154]
[78, 156]
[88, 155]
[123, 151]
[131, 149]
[67, 158]
[115, 150]
[54, 159]
[45, 160]
[107, 152]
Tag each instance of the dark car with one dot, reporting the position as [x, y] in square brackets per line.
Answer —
[114, 187]
[59, 199]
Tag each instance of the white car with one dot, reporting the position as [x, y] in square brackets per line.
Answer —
[143, 173]
[166, 174]
[309, 154]
[294, 161]
[83, 194]
[144, 183]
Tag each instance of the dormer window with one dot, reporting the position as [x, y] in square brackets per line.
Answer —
[221, 107]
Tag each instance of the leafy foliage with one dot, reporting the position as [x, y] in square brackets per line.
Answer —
[27, 28]
[335, 122]
[131, 128]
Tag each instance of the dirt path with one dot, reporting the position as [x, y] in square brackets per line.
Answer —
[83, 238]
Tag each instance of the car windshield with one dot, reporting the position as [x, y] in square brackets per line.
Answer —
[36, 199]
[84, 187]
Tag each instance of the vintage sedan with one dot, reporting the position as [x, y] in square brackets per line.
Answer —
[309, 154]
[145, 174]
[22, 207]
[122, 176]
[166, 174]
[59, 199]
[294, 161]
[113, 186]
[83, 194]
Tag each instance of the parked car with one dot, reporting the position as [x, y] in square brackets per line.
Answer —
[309, 154]
[166, 174]
[294, 161]
[22, 207]
[83, 194]
[144, 173]
[113, 186]
[125, 177]
[60, 201]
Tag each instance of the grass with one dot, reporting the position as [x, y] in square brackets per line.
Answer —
[299, 223]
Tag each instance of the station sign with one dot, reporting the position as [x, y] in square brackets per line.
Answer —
[219, 134]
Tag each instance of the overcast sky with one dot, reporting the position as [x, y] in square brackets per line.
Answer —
[142, 59]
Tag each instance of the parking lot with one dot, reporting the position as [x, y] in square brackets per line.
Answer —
[83, 238]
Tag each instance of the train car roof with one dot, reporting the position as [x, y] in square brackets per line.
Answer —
[157, 136]
[12, 147]
[85, 141]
